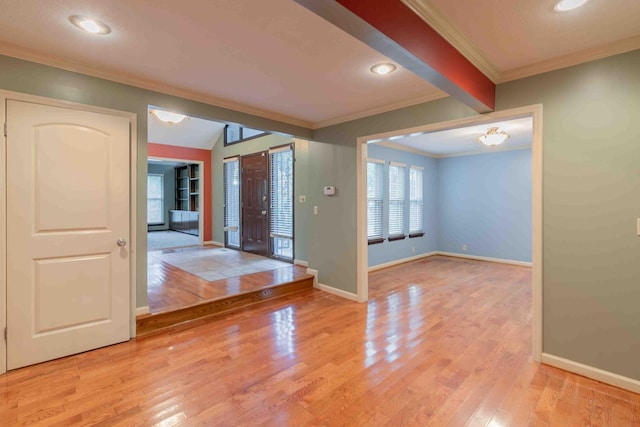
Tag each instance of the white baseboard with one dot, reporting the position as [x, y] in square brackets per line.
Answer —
[484, 258]
[401, 261]
[337, 292]
[591, 372]
[314, 273]
[140, 311]
[301, 263]
[213, 242]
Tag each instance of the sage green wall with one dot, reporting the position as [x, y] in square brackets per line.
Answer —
[591, 184]
[300, 210]
[591, 199]
[31, 78]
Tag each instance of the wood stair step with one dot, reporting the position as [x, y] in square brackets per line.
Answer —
[154, 322]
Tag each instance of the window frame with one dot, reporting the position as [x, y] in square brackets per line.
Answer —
[275, 150]
[401, 235]
[227, 142]
[161, 198]
[226, 201]
[419, 232]
[379, 165]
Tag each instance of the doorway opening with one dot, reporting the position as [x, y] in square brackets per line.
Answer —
[173, 204]
[391, 211]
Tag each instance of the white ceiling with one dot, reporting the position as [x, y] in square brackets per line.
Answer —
[521, 33]
[191, 132]
[271, 55]
[464, 140]
[279, 60]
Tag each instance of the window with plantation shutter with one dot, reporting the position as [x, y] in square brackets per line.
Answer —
[415, 200]
[281, 201]
[374, 200]
[155, 198]
[396, 200]
[232, 202]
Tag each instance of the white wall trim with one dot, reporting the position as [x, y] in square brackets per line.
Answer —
[492, 150]
[213, 242]
[156, 86]
[337, 292]
[314, 273]
[141, 311]
[301, 262]
[591, 372]
[564, 61]
[429, 13]
[401, 261]
[437, 94]
[396, 146]
[534, 111]
[488, 259]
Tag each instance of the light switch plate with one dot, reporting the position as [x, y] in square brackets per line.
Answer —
[302, 198]
[638, 227]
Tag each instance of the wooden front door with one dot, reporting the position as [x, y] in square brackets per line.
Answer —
[67, 232]
[255, 203]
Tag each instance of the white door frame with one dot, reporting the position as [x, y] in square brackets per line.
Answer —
[200, 164]
[534, 111]
[6, 95]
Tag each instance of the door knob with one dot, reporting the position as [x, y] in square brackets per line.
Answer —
[264, 212]
[122, 242]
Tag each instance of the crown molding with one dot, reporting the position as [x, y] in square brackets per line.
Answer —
[412, 150]
[400, 147]
[128, 79]
[379, 110]
[599, 52]
[490, 151]
[430, 14]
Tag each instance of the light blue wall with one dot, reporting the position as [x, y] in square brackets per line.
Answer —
[390, 251]
[484, 202]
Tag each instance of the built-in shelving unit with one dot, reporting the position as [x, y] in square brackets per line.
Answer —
[185, 217]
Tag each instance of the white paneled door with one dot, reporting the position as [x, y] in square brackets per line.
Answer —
[67, 232]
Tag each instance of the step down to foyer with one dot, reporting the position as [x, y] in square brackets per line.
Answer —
[154, 322]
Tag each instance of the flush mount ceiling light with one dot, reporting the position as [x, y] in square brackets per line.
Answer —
[90, 25]
[383, 69]
[168, 116]
[567, 5]
[493, 137]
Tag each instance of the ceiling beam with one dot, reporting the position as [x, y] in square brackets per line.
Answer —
[394, 30]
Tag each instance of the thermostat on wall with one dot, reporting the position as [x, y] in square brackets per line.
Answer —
[329, 190]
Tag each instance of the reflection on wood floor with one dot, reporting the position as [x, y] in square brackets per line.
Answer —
[442, 342]
[170, 288]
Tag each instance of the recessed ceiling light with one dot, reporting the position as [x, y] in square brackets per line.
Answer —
[168, 116]
[384, 68]
[567, 5]
[90, 25]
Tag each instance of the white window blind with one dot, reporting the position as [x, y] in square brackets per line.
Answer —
[281, 201]
[232, 201]
[155, 198]
[396, 199]
[415, 200]
[374, 199]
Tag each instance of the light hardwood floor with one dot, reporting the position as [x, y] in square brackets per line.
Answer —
[441, 342]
